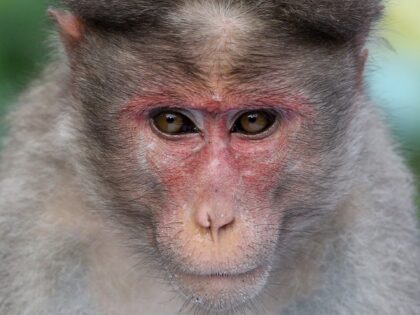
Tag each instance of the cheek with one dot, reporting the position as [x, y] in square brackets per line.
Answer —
[261, 170]
[260, 176]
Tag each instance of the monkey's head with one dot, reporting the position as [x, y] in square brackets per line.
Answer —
[213, 131]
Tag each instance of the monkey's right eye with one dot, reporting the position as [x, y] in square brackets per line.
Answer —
[174, 123]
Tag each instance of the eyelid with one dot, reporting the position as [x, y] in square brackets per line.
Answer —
[194, 115]
[234, 116]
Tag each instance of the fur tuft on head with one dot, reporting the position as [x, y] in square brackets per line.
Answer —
[339, 19]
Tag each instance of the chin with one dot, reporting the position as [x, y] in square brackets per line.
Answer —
[220, 292]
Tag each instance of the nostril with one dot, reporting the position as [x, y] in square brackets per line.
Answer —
[227, 225]
[219, 225]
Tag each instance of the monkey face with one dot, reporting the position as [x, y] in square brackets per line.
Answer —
[210, 201]
[209, 154]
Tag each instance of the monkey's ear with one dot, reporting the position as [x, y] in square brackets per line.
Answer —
[70, 26]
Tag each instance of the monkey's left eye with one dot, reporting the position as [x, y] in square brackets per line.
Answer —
[174, 123]
[254, 122]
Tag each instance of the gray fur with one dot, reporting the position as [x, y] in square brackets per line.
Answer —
[72, 241]
[342, 19]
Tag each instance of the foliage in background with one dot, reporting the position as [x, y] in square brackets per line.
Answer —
[22, 44]
[396, 83]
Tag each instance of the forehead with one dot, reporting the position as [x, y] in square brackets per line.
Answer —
[213, 48]
[216, 35]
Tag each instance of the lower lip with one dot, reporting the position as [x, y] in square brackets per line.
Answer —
[213, 283]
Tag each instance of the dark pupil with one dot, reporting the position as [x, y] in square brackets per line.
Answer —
[170, 118]
[252, 118]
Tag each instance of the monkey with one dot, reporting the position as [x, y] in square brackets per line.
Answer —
[206, 157]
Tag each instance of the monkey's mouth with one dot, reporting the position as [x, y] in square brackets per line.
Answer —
[222, 291]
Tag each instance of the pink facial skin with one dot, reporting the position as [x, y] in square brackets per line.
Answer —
[219, 218]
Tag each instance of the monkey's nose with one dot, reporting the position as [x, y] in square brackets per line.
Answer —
[214, 221]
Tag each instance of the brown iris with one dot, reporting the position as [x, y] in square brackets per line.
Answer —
[174, 123]
[254, 122]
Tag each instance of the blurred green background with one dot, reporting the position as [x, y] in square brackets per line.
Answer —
[393, 73]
